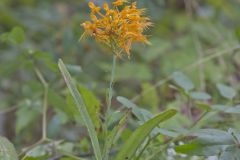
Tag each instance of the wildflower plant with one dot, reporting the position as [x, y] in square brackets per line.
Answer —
[117, 27]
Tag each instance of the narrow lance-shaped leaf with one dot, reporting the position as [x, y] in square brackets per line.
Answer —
[82, 109]
[139, 135]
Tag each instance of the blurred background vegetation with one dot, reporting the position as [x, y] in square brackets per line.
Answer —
[199, 38]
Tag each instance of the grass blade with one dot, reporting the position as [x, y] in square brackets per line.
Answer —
[140, 134]
[82, 109]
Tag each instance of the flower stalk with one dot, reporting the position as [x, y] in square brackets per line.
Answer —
[110, 93]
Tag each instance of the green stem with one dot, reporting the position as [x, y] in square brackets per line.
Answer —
[189, 108]
[109, 103]
[44, 137]
[45, 103]
[70, 155]
[110, 93]
[45, 108]
[199, 119]
[28, 148]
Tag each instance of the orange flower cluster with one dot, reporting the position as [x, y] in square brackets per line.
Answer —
[118, 27]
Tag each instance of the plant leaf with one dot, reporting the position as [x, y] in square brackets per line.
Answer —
[226, 109]
[82, 109]
[92, 104]
[27, 108]
[142, 114]
[7, 150]
[15, 36]
[200, 96]
[208, 142]
[139, 135]
[226, 91]
[230, 153]
[182, 81]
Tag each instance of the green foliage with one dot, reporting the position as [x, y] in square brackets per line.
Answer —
[113, 136]
[140, 134]
[142, 114]
[182, 81]
[226, 91]
[15, 36]
[92, 106]
[82, 109]
[45, 151]
[24, 122]
[40, 152]
[194, 45]
[200, 95]
[7, 150]
[227, 109]
[212, 142]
